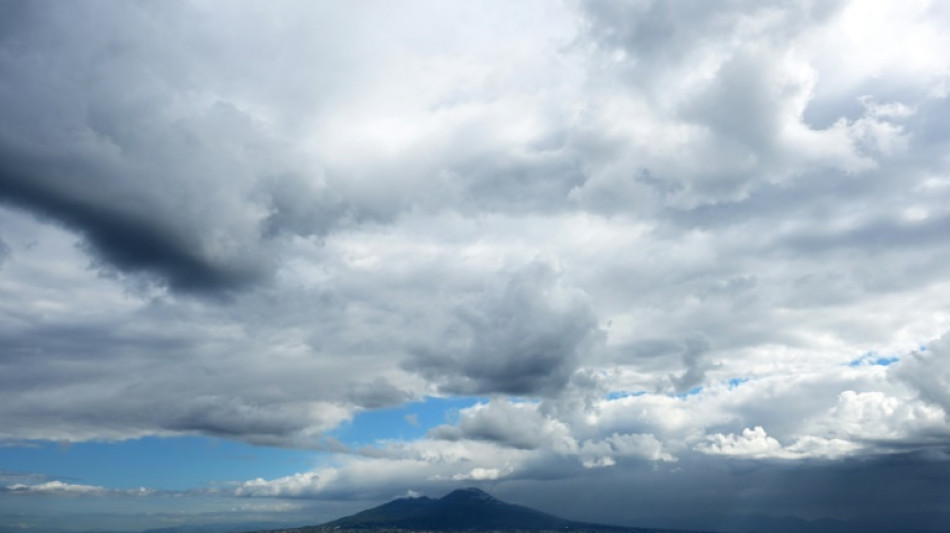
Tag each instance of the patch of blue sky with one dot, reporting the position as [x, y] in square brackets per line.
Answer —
[405, 422]
[182, 463]
[170, 463]
[873, 359]
[691, 392]
[735, 382]
[618, 394]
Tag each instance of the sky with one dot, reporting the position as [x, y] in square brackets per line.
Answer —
[679, 264]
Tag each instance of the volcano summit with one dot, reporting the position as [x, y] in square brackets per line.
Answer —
[468, 509]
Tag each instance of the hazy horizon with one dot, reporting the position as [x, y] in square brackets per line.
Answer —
[631, 262]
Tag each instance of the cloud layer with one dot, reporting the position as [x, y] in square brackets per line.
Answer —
[663, 239]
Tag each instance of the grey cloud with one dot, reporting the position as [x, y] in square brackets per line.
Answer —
[153, 371]
[539, 182]
[742, 496]
[742, 106]
[928, 372]
[688, 167]
[524, 338]
[126, 239]
[234, 417]
[735, 101]
[105, 158]
[146, 149]
[694, 348]
[735, 494]
[377, 393]
[300, 207]
[660, 39]
[170, 161]
[141, 411]
[507, 424]
[661, 36]
[877, 234]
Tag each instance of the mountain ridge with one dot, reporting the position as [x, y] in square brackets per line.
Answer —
[468, 509]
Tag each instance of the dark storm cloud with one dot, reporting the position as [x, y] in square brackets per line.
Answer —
[887, 494]
[119, 235]
[524, 339]
[136, 143]
[74, 148]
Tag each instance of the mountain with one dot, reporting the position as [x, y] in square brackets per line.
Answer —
[469, 509]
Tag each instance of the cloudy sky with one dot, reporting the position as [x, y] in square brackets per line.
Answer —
[657, 263]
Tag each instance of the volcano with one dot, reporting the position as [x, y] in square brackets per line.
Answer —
[468, 509]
